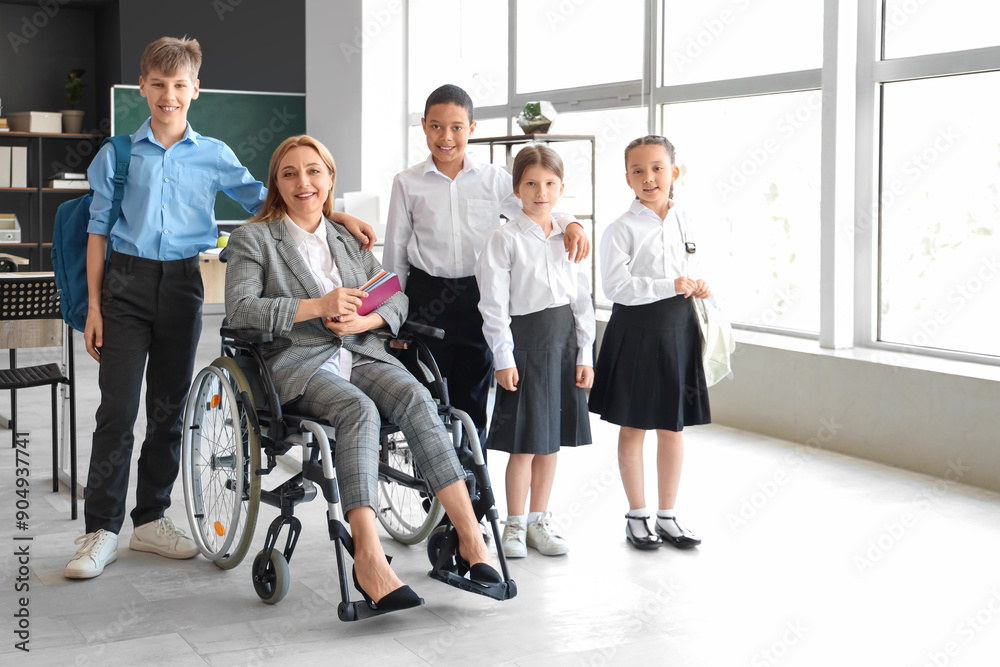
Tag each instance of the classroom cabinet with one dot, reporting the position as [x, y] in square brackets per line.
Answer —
[35, 205]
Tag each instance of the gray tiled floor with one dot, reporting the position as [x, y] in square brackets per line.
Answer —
[809, 559]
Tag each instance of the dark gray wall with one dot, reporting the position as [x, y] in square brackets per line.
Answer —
[37, 51]
[251, 45]
[256, 45]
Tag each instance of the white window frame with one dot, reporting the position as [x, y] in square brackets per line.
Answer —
[850, 80]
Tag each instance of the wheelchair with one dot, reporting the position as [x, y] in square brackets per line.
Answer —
[234, 431]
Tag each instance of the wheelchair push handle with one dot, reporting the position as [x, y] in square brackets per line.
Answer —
[423, 329]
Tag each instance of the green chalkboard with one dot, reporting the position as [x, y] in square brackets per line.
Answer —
[253, 124]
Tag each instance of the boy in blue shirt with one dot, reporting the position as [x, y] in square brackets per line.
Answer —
[146, 313]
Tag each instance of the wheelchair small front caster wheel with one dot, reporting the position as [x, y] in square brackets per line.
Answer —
[272, 586]
[437, 541]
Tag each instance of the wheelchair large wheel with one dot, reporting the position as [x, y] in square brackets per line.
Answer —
[220, 457]
[407, 514]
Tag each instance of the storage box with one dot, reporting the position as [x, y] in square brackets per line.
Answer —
[36, 121]
[10, 230]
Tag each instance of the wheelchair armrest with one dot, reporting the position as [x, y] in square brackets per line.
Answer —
[422, 329]
[247, 335]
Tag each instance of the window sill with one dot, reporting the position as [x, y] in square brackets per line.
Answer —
[883, 357]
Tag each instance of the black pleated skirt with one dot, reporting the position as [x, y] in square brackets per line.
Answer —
[548, 410]
[649, 372]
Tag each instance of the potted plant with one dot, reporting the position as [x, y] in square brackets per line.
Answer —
[72, 118]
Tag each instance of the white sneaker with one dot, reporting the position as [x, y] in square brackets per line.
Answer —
[542, 536]
[99, 549]
[513, 539]
[163, 538]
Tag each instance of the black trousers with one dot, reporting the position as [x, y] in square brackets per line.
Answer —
[463, 356]
[152, 322]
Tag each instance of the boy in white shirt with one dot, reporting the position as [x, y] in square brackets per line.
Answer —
[440, 213]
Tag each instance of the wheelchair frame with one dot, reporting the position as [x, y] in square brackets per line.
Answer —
[232, 417]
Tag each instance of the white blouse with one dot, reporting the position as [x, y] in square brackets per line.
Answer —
[522, 272]
[641, 256]
[316, 253]
[439, 224]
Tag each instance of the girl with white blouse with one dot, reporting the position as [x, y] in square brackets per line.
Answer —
[649, 372]
[538, 319]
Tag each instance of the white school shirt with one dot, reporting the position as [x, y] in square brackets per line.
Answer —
[439, 225]
[316, 254]
[521, 272]
[641, 256]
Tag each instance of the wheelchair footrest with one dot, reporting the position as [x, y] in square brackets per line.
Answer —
[504, 590]
[359, 611]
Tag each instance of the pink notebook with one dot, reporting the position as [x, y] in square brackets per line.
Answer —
[379, 288]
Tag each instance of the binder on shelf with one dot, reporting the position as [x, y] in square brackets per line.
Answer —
[69, 184]
[18, 166]
[4, 166]
[70, 176]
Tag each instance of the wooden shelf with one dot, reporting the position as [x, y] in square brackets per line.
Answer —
[51, 134]
[18, 189]
[73, 190]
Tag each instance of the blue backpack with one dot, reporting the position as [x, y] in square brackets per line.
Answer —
[70, 237]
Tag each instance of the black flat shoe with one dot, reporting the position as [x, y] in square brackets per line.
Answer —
[644, 542]
[402, 598]
[686, 540]
[481, 573]
[484, 574]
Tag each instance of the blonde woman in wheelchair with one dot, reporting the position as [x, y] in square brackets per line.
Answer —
[292, 276]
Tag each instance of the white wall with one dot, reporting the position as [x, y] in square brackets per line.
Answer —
[333, 84]
[936, 417]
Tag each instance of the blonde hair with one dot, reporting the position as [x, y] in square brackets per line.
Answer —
[274, 206]
[170, 55]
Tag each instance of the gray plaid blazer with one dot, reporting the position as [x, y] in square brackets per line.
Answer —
[265, 278]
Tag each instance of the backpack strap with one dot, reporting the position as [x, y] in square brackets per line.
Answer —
[122, 145]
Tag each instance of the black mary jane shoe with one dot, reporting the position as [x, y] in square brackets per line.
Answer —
[643, 542]
[686, 540]
[402, 598]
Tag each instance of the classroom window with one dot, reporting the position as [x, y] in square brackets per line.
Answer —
[567, 44]
[463, 42]
[613, 129]
[919, 27]
[940, 213]
[750, 177]
[729, 39]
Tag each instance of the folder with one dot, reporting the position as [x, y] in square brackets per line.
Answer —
[4, 166]
[379, 289]
[18, 166]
